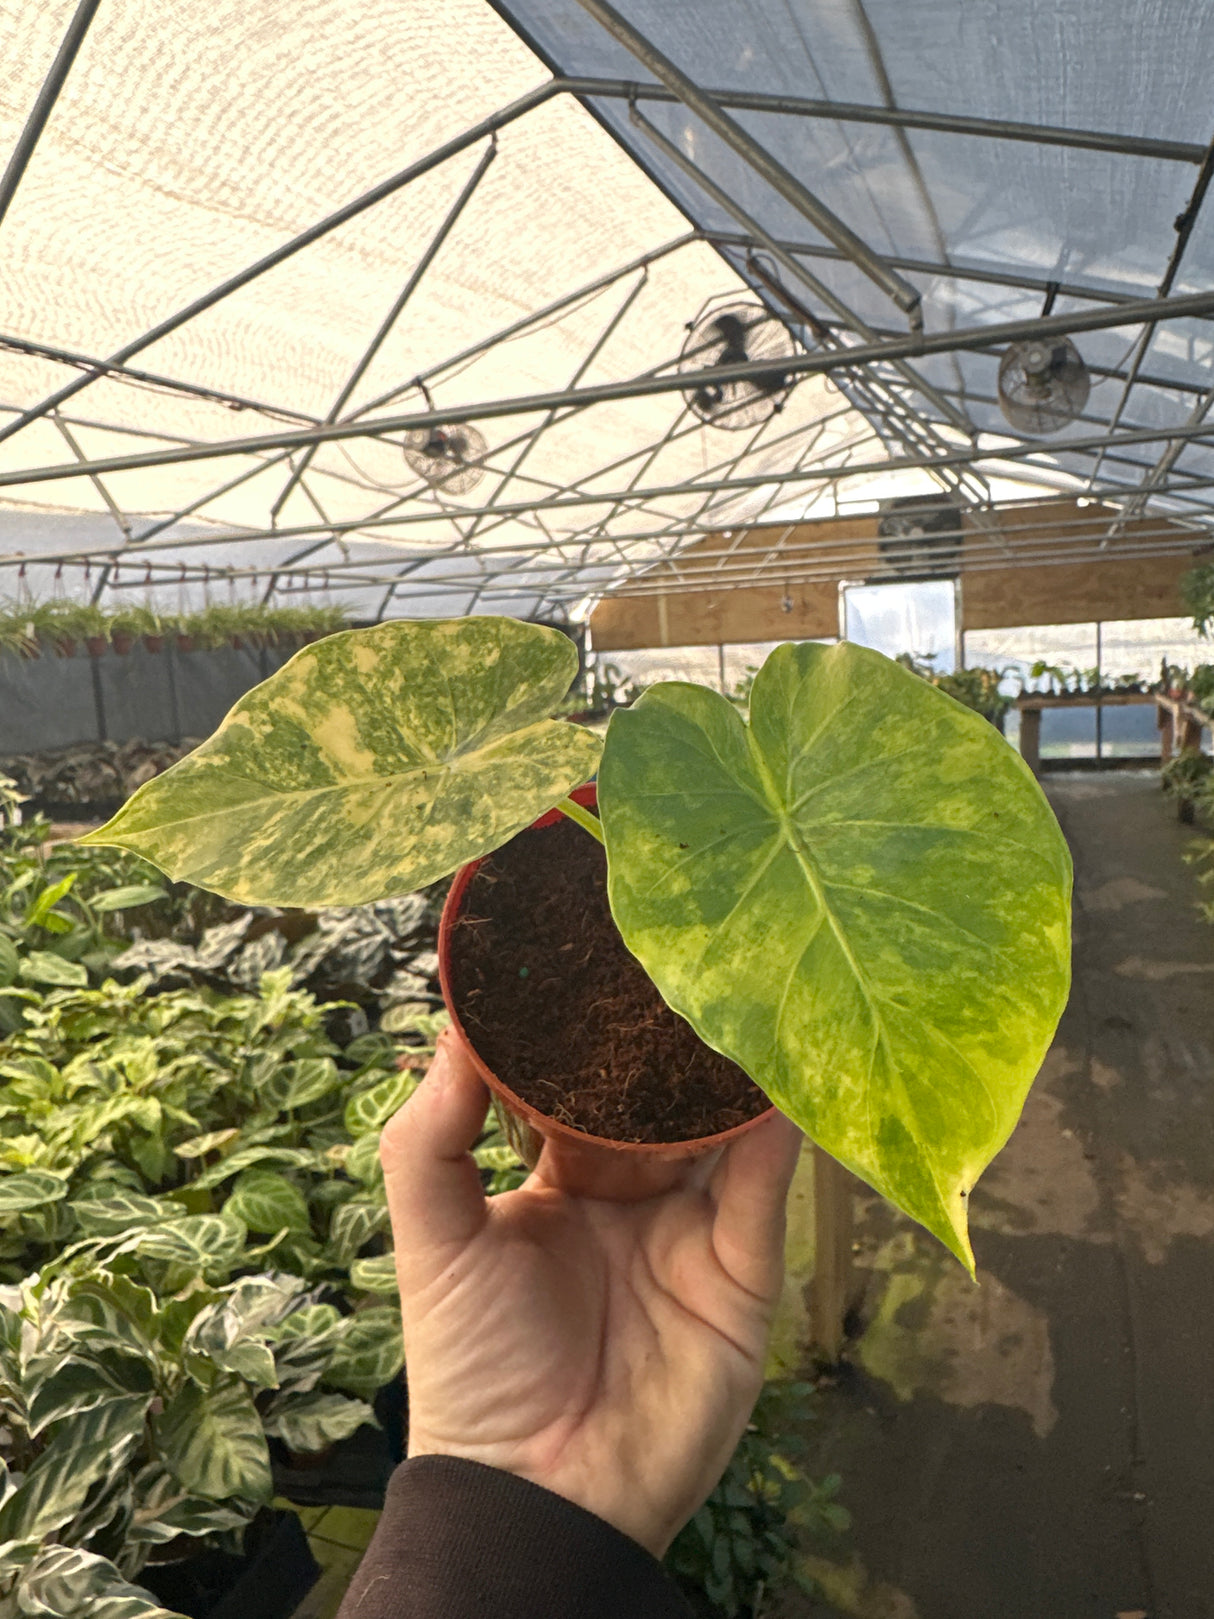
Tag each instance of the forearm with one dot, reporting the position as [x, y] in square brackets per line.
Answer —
[458, 1540]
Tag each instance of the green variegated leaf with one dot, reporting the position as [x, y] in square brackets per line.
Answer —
[312, 1321]
[126, 899]
[40, 967]
[362, 1161]
[862, 898]
[372, 764]
[353, 1225]
[81, 1383]
[310, 1422]
[10, 961]
[30, 1190]
[371, 1352]
[296, 1084]
[246, 1157]
[371, 1109]
[377, 1275]
[204, 1241]
[267, 1202]
[164, 1509]
[126, 1211]
[83, 1449]
[199, 1146]
[64, 1582]
[212, 1441]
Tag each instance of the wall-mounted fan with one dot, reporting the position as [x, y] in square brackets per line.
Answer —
[732, 336]
[1043, 384]
[449, 458]
[919, 536]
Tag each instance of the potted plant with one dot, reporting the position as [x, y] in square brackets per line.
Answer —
[859, 899]
[17, 629]
[53, 620]
[133, 1430]
[1186, 777]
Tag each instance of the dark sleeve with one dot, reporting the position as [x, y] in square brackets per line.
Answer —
[458, 1540]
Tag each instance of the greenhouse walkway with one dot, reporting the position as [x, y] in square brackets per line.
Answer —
[1042, 1446]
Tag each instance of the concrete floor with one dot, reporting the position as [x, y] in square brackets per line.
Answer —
[1042, 1446]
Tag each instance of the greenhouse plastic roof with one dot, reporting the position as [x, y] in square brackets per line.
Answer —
[293, 234]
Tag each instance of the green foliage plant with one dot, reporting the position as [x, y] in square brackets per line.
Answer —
[860, 894]
[1197, 593]
[1201, 686]
[1187, 774]
[742, 1547]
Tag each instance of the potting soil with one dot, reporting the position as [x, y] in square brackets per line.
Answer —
[564, 1015]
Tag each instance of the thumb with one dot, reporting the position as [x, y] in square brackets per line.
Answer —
[433, 1186]
[750, 1189]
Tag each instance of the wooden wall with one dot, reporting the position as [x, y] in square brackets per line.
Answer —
[704, 606]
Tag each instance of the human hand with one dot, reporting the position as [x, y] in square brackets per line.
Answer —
[608, 1351]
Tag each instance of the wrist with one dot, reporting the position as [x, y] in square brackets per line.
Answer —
[622, 1508]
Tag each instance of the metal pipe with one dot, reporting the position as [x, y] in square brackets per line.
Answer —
[397, 309]
[781, 180]
[45, 101]
[929, 267]
[1184, 228]
[977, 337]
[719, 525]
[126, 373]
[850, 112]
[342, 216]
[722, 198]
[512, 580]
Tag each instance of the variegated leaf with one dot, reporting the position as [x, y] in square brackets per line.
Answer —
[30, 1190]
[376, 1275]
[311, 1422]
[372, 764]
[862, 897]
[370, 1354]
[212, 1440]
[371, 1109]
[64, 1582]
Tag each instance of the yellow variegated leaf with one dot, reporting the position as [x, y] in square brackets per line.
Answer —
[374, 762]
[862, 897]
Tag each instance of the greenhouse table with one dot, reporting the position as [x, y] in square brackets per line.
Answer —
[1031, 708]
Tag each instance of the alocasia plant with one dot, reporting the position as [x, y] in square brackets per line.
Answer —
[861, 895]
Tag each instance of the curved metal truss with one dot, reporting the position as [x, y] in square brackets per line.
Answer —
[589, 483]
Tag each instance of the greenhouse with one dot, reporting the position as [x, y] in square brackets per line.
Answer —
[606, 810]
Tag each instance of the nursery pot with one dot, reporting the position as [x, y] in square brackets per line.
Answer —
[96, 645]
[65, 646]
[122, 643]
[185, 643]
[271, 1578]
[153, 643]
[576, 1161]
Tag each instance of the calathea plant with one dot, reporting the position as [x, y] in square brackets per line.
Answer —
[860, 895]
[131, 1426]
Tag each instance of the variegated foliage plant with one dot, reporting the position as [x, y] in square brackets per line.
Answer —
[860, 894]
[132, 1421]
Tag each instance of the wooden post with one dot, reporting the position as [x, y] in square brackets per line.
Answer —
[1190, 734]
[1030, 738]
[1165, 718]
[830, 1290]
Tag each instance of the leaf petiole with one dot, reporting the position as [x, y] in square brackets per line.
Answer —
[585, 818]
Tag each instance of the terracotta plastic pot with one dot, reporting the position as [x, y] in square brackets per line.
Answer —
[96, 645]
[122, 643]
[185, 643]
[153, 643]
[589, 1165]
[65, 646]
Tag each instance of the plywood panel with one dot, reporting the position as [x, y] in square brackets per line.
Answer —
[715, 593]
[1074, 593]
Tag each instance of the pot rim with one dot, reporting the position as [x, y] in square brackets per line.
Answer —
[547, 1127]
